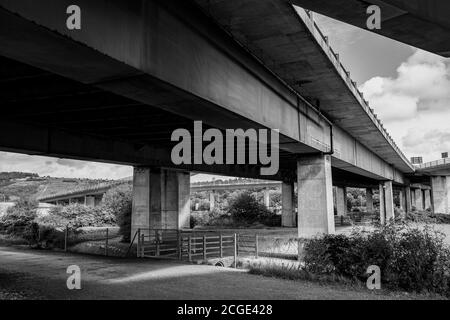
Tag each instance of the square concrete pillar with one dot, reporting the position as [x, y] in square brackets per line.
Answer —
[389, 200]
[418, 199]
[341, 201]
[401, 198]
[160, 199]
[369, 199]
[382, 197]
[89, 201]
[266, 198]
[287, 205]
[408, 202]
[315, 196]
[427, 199]
[212, 201]
[440, 194]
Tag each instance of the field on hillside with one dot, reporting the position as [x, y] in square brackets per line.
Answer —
[34, 188]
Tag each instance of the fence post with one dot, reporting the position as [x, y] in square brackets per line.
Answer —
[142, 245]
[180, 243]
[204, 247]
[300, 249]
[65, 238]
[221, 245]
[157, 243]
[139, 243]
[235, 251]
[106, 242]
[256, 245]
[189, 249]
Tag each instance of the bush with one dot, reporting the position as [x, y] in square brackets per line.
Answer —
[410, 259]
[208, 218]
[76, 216]
[118, 202]
[19, 219]
[245, 208]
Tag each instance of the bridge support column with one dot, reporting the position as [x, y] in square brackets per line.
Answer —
[369, 199]
[160, 199]
[418, 199]
[341, 201]
[212, 201]
[287, 205]
[89, 201]
[440, 194]
[267, 198]
[315, 196]
[408, 203]
[427, 198]
[386, 202]
[401, 198]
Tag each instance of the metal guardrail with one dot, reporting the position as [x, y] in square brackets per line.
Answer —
[434, 163]
[307, 18]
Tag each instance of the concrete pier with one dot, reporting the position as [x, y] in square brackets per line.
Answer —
[341, 201]
[287, 205]
[418, 197]
[408, 201]
[212, 201]
[315, 196]
[386, 202]
[440, 190]
[160, 199]
[369, 199]
[267, 198]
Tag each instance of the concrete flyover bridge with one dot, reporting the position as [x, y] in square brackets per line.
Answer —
[437, 174]
[115, 90]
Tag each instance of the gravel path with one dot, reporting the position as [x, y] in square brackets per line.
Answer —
[32, 274]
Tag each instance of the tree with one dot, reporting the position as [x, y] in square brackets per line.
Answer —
[118, 201]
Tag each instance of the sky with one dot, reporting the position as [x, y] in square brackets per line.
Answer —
[409, 89]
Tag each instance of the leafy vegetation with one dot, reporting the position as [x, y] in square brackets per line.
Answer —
[118, 203]
[410, 259]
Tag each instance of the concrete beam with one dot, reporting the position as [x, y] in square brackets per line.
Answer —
[315, 196]
[423, 24]
[119, 61]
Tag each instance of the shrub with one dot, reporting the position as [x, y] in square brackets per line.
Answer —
[118, 202]
[409, 258]
[18, 219]
[76, 216]
[207, 218]
[245, 208]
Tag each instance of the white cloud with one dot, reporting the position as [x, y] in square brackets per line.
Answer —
[62, 167]
[415, 105]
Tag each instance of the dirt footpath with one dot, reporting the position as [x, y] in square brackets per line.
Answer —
[32, 274]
